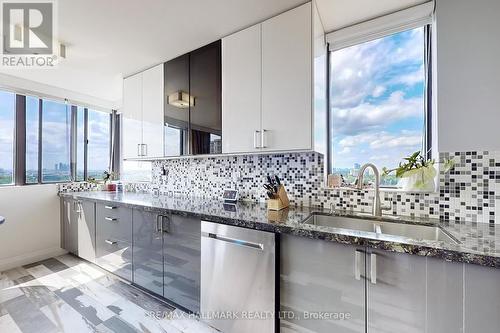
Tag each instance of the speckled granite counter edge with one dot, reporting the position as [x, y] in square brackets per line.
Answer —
[436, 250]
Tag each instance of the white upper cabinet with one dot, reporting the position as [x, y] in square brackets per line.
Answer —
[267, 85]
[241, 91]
[152, 110]
[142, 113]
[132, 116]
[286, 80]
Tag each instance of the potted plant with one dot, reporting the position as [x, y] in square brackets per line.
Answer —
[417, 173]
[107, 177]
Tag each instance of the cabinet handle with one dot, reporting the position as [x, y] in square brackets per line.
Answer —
[158, 218]
[263, 141]
[357, 264]
[110, 207]
[255, 138]
[77, 207]
[139, 150]
[167, 229]
[110, 242]
[373, 268]
[112, 219]
[144, 149]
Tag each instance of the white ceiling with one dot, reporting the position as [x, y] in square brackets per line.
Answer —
[336, 14]
[109, 39]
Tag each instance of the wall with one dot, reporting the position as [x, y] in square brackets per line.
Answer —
[468, 73]
[32, 230]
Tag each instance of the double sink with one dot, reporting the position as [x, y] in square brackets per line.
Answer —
[406, 230]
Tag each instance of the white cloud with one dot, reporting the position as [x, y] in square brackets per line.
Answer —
[378, 91]
[366, 116]
[358, 70]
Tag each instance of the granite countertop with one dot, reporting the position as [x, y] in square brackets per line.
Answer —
[477, 241]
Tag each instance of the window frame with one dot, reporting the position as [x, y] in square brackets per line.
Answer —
[19, 153]
[427, 135]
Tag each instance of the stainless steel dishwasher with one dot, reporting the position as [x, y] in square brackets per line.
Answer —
[238, 279]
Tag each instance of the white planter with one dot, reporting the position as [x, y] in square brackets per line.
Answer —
[419, 180]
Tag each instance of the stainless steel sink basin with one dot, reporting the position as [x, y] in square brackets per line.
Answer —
[417, 232]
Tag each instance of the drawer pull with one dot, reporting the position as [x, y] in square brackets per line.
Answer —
[112, 219]
[110, 242]
[110, 207]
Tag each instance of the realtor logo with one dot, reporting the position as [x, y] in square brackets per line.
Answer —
[28, 33]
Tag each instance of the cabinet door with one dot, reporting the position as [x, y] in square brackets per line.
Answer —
[396, 292]
[444, 296]
[70, 226]
[205, 86]
[182, 261]
[241, 90]
[176, 117]
[321, 277]
[286, 80]
[152, 110]
[148, 251]
[86, 230]
[481, 299]
[132, 116]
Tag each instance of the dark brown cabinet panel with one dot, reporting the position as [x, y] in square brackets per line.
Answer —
[193, 102]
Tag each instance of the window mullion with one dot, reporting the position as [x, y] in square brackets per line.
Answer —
[20, 141]
[85, 143]
[40, 112]
[73, 143]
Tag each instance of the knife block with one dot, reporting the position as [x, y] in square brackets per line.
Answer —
[280, 202]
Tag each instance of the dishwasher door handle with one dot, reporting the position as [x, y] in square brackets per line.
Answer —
[234, 241]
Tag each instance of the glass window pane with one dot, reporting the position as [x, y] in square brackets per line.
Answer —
[56, 124]
[99, 138]
[80, 143]
[377, 96]
[7, 119]
[32, 139]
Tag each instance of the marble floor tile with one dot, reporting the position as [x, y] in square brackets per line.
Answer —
[69, 295]
[8, 289]
[116, 325]
[139, 318]
[48, 278]
[88, 307]
[8, 325]
[38, 294]
[28, 317]
[67, 319]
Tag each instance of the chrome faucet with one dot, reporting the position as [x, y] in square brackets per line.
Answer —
[377, 207]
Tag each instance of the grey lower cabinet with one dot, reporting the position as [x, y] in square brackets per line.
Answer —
[379, 291]
[85, 217]
[319, 277]
[69, 225]
[481, 299]
[78, 228]
[114, 239]
[167, 254]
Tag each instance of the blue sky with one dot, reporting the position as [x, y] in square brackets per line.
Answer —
[377, 91]
[56, 118]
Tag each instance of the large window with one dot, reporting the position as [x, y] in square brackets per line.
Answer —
[55, 141]
[32, 138]
[7, 130]
[99, 140]
[377, 97]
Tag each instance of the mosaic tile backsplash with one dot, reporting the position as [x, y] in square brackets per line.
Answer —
[469, 192]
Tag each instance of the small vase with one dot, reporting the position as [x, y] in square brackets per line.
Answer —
[419, 180]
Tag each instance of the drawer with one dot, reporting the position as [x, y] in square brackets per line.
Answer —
[115, 256]
[114, 223]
